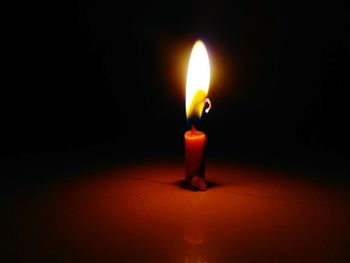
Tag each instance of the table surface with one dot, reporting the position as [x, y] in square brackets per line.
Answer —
[140, 213]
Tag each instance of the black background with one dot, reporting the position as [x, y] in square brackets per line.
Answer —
[83, 73]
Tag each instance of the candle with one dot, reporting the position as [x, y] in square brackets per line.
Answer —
[197, 86]
[194, 149]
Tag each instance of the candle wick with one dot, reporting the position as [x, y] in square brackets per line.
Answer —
[193, 130]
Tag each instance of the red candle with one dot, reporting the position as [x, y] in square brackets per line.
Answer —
[194, 148]
[197, 86]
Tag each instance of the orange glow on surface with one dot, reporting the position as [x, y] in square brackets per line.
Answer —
[198, 79]
[138, 213]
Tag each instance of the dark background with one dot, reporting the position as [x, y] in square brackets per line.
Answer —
[85, 74]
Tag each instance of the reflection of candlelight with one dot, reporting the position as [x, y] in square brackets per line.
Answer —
[194, 233]
[197, 86]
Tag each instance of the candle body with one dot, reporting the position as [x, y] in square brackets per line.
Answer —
[194, 158]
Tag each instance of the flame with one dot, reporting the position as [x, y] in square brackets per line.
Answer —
[198, 79]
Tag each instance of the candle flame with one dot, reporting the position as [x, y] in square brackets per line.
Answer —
[198, 79]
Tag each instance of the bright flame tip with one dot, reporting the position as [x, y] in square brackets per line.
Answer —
[198, 79]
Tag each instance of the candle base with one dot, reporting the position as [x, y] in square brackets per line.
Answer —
[196, 179]
[195, 176]
[198, 183]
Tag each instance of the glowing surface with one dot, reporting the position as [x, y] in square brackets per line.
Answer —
[198, 79]
[140, 214]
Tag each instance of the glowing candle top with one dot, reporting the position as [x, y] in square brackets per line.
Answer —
[198, 79]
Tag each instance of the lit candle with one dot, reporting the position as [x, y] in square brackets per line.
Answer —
[197, 86]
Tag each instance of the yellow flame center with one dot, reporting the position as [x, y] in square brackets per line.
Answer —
[198, 79]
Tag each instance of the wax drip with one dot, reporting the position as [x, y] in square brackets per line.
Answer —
[198, 183]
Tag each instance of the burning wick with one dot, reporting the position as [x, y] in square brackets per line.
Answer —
[193, 130]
